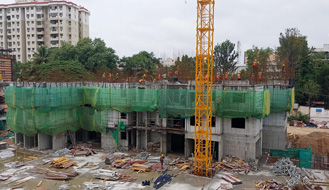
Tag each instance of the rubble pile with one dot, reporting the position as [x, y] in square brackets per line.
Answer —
[232, 164]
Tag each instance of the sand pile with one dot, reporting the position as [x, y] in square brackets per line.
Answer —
[319, 142]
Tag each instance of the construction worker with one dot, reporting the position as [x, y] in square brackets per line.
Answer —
[159, 77]
[109, 77]
[259, 75]
[226, 76]
[117, 77]
[283, 68]
[161, 161]
[255, 63]
[217, 77]
[164, 76]
[239, 76]
[103, 77]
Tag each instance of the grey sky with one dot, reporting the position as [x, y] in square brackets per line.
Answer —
[168, 27]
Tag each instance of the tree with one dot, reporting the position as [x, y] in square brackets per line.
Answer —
[138, 64]
[311, 90]
[290, 51]
[225, 57]
[323, 81]
[41, 56]
[186, 66]
[94, 55]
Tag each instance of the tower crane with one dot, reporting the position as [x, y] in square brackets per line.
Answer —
[203, 87]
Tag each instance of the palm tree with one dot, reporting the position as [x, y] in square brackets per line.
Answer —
[41, 56]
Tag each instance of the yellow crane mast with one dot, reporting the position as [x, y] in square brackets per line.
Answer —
[203, 87]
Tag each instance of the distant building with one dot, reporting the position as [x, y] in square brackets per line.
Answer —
[6, 63]
[168, 62]
[27, 24]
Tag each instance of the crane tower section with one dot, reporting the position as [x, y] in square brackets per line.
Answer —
[203, 87]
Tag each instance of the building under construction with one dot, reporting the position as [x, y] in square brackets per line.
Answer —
[246, 118]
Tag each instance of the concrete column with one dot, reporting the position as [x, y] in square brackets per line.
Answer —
[59, 141]
[188, 150]
[220, 150]
[138, 139]
[163, 144]
[107, 141]
[28, 142]
[44, 141]
[19, 138]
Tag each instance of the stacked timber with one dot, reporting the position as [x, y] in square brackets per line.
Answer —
[61, 175]
[63, 162]
[141, 168]
[122, 162]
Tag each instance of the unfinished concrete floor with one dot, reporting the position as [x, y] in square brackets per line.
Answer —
[182, 181]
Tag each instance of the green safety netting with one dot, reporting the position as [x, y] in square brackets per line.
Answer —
[176, 103]
[98, 98]
[44, 99]
[57, 121]
[54, 110]
[21, 121]
[282, 100]
[241, 103]
[92, 119]
[115, 132]
[134, 99]
[30, 121]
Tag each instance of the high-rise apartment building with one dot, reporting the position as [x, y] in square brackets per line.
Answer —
[26, 24]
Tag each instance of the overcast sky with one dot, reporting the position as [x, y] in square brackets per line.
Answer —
[168, 27]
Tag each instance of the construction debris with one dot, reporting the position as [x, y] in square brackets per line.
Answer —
[62, 152]
[3, 145]
[14, 164]
[107, 175]
[232, 164]
[63, 162]
[232, 180]
[121, 163]
[153, 147]
[82, 150]
[61, 175]
[270, 184]
[184, 166]
[254, 164]
[6, 153]
[285, 167]
[30, 158]
[142, 156]
[141, 168]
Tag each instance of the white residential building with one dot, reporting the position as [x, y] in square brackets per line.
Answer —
[26, 24]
